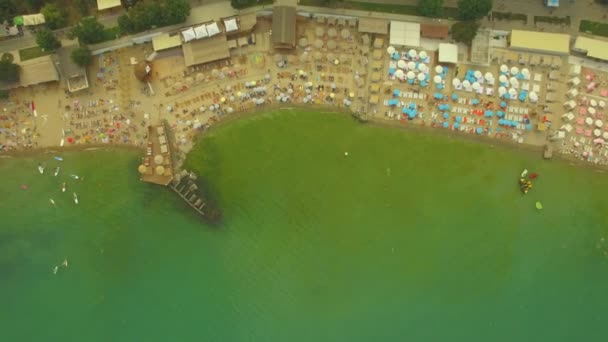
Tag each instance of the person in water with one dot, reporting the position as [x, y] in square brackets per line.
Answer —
[533, 176]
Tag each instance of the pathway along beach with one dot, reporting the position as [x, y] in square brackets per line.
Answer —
[410, 237]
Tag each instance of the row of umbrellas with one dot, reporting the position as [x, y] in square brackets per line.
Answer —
[411, 54]
[514, 71]
[332, 32]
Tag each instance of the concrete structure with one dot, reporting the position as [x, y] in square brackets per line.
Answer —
[284, 27]
[593, 48]
[480, 47]
[371, 25]
[206, 50]
[448, 53]
[554, 43]
[74, 75]
[404, 34]
[107, 4]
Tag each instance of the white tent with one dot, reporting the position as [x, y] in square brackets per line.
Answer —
[566, 127]
[448, 53]
[231, 25]
[404, 34]
[201, 32]
[188, 34]
[33, 19]
[213, 29]
[568, 117]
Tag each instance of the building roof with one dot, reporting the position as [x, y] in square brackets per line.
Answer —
[371, 25]
[448, 53]
[206, 50]
[284, 26]
[404, 34]
[540, 41]
[165, 41]
[35, 71]
[594, 48]
[32, 19]
[66, 65]
[105, 4]
[435, 31]
[248, 21]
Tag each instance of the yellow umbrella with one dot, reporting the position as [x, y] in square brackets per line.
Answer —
[142, 169]
[158, 159]
[352, 94]
[160, 170]
[301, 72]
[332, 95]
[238, 94]
[336, 62]
[223, 99]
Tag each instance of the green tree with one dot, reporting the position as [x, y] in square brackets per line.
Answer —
[55, 16]
[8, 10]
[89, 31]
[7, 57]
[82, 6]
[176, 11]
[474, 9]
[146, 15]
[9, 72]
[465, 31]
[82, 56]
[34, 4]
[430, 8]
[47, 40]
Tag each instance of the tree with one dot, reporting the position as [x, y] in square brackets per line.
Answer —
[89, 31]
[8, 10]
[176, 11]
[82, 56]
[9, 72]
[55, 17]
[4, 94]
[465, 31]
[474, 9]
[430, 8]
[146, 15]
[7, 57]
[47, 40]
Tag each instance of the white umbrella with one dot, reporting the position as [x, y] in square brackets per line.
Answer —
[437, 79]
[318, 43]
[602, 104]
[332, 32]
[489, 76]
[466, 83]
[504, 68]
[412, 53]
[476, 85]
[513, 80]
[319, 31]
[455, 82]
[605, 135]
[399, 74]
[477, 74]
[525, 72]
[423, 67]
[591, 110]
[345, 33]
[503, 78]
[589, 121]
[502, 91]
[411, 65]
[597, 132]
[421, 77]
[290, 91]
[411, 75]
[422, 55]
[439, 69]
[514, 70]
[401, 64]
[390, 50]
[593, 103]
[512, 92]
[599, 123]
[533, 96]
[303, 42]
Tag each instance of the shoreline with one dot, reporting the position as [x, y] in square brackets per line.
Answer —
[230, 118]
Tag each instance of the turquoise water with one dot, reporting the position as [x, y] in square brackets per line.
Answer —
[411, 237]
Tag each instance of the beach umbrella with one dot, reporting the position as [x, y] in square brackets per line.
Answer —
[502, 91]
[351, 94]
[159, 170]
[597, 132]
[439, 69]
[401, 64]
[332, 95]
[602, 104]
[605, 135]
[479, 130]
[158, 159]
[336, 61]
[514, 70]
[331, 57]
[390, 50]
[411, 75]
[456, 125]
[504, 68]
[503, 104]
[446, 115]
[446, 125]
[458, 119]
[525, 72]
[591, 110]
[513, 80]
[423, 54]
[477, 74]
[345, 33]
[411, 65]
[421, 77]
[455, 82]
[277, 58]
[318, 43]
[476, 85]
[466, 83]
[396, 56]
[533, 96]
[319, 31]
[331, 44]
[423, 67]
[332, 32]
[223, 99]
[303, 42]
[412, 53]
[290, 91]
[512, 93]
[589, 121]
[304, 57]
[437, 79]
[489, 76]
[593, 102]
[399, 74]
[454, 97]
[503, 78]
[142, 169]
[599, 123]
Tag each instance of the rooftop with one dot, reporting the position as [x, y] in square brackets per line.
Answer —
[557, 43]
[284, 26]
[594, 48]
[206, 50]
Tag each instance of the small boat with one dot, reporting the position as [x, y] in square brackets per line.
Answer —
[52, 202]
[74, 176]
[64, 263]
[75, 198]
[40, 168]
[55, 269]
[57, 171]
[63, 186]
[58, 158]
[524, 173]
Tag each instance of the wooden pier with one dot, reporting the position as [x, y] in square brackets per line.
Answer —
[187, 189]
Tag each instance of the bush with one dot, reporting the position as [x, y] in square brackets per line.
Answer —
[82, 56]
[55, 17]
[47, 40]
[7, 57]
[4, 94]
[9, 72]
[430, 8]
[89, 31]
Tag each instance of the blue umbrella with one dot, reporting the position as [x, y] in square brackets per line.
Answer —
[423, 84]
[391, 71]
[458, 119]
[447, 106]
[456, 125]
[514, 123]
[503, 104]
[410, 81]
[489, 113]
[396, 55]
[437, 95]
[501, 121]
[446, 125]
[412, 114]
[528, 127]
[454, 97]
[475, 101]
[446, 115]
[500, 114]
[479, 130]
[404, 110]
[396, 92]
[412, 105]
[440, 86]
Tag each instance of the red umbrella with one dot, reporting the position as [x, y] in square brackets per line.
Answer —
[70, 140]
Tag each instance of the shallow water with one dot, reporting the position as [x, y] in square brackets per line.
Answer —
[409, 237]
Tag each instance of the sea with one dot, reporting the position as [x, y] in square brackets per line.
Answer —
[332, 230]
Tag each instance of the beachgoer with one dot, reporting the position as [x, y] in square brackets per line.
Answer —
[533, 175]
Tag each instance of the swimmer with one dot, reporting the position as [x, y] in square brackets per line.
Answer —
[55, 269]
[64, 263]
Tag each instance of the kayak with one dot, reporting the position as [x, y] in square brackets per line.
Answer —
[74, 176]
[57, 170]
[63, 187]
[524, 173]
[40, 169]
[58, 158]
[75, 198]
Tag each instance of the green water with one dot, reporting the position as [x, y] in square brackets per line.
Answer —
[411, 237]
